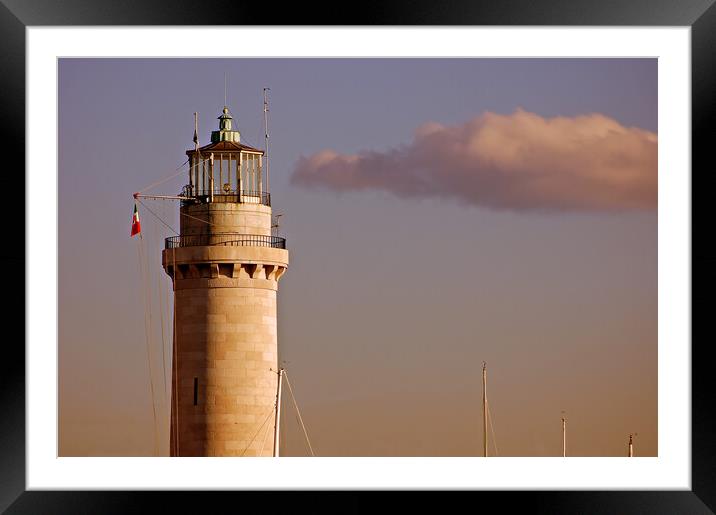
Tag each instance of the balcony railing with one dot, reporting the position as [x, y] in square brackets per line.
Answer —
[227, 239]
[238, 197]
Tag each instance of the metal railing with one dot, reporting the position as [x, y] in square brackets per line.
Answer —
[220, 195]
[228, 239]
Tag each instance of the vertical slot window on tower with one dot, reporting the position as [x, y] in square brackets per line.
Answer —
[196, 390]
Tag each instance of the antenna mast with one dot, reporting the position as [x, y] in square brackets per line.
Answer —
[266, 135]
[484, 408]
[275, 225]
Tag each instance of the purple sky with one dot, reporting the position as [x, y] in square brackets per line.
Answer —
[391, 302]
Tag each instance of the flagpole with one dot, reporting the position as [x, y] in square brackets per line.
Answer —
[195, 165]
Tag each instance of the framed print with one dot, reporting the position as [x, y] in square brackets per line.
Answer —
[486, 202]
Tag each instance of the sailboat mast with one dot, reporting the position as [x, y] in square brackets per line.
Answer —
[277, 422]
[564, 437]
[631, 446]
[484, 408]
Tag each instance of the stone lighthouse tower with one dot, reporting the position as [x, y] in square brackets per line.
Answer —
[225, 267]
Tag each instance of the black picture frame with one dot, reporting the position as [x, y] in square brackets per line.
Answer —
[16, 15]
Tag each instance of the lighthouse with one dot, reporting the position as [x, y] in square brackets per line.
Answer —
[225, 267]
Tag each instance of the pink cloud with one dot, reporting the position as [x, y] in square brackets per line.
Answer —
[520, 161]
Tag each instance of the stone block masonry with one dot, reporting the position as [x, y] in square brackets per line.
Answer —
[226, 348]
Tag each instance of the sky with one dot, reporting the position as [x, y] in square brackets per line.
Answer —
[438, 213]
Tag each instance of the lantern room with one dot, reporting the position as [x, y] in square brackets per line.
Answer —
[226, 170]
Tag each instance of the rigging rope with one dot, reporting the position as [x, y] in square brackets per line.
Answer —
[263, 444]
[166, 348]
[310, 447]
[147, 279]
[158, 218]
[174, 174]
[195, 218]
[167, 178]
[161, 329]
[492, 429]
[259, 429]
[147, 325]
[169, 226]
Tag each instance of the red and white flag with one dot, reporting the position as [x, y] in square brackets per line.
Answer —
[135, 221]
